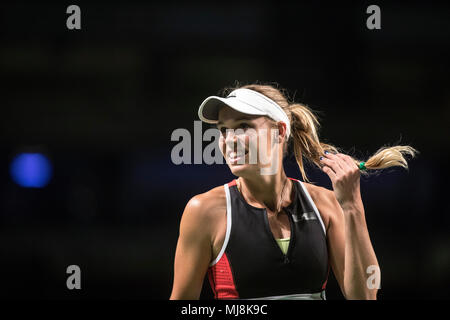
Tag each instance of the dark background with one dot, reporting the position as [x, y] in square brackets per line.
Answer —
[102, 102]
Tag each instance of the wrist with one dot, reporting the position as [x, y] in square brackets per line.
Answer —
[352, 207]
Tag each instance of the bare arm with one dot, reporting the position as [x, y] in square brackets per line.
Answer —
[193, 252]
[359, 255]
[351, 251]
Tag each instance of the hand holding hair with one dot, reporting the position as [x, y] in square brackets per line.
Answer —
[345, 172]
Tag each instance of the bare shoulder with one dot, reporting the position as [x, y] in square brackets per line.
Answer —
[325, 202]
[320, 194]
[207, 203]
[204, 211]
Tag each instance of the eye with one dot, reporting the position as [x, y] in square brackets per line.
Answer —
[244, 125]
[223, 130]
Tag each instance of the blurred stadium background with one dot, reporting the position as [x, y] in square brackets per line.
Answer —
[100, 105]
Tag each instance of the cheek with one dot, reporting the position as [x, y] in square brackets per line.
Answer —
[241, 139]
[246, 139]
[270, 140]
[251, 142]
[222, 145]
[265, 139]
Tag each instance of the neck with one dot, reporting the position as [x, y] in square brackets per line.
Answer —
[265, 190]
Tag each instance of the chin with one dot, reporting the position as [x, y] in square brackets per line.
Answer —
[242, 170]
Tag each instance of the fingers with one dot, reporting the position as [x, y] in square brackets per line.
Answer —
[329, 172]
[333, 162]
[331, 167]
[349, 162]
[338, 165]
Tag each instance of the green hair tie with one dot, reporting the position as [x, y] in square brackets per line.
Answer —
[362, 166]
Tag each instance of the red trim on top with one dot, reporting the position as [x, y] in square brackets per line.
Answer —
[232, 183]
[326, 280]
[212, 284]
[293, 179]
[221, 280]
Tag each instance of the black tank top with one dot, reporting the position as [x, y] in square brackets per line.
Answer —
[251, 263]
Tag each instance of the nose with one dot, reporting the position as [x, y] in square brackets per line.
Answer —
[230, 139]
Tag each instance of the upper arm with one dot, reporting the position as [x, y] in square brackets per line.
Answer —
[334, 216]
[193, 253]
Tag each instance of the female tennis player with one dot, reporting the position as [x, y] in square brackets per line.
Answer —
[267, 236]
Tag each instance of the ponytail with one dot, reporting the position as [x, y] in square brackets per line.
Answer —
[305, 137]
[391, 156]
[306, 143]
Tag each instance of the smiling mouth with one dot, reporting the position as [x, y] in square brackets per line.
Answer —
[234, 157]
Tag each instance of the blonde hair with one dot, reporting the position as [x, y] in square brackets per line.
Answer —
[305, 137]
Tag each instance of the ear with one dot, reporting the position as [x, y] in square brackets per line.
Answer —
[281, 131]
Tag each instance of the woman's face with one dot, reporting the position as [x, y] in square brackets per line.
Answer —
[247, 142]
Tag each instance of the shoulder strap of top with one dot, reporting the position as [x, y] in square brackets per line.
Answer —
[313, 205]
[227, 234]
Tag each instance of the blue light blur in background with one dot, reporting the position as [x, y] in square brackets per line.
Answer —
[31, 170]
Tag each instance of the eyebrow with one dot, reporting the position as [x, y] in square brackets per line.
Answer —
[240, 119]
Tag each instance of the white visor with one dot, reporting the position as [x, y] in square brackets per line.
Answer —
[245, 101]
